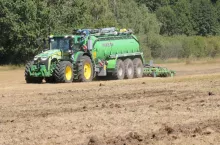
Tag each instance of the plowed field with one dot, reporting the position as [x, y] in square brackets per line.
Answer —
[183, 110]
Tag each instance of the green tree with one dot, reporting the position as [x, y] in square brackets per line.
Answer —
[21, 22]
[153, 5]
[204, 18]
[167, 17]
[183, 18]
[218, 12]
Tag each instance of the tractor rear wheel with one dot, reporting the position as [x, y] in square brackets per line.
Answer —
[64, 72]
[85, 69]
[119, 73]
[129, 69]
[138, 68]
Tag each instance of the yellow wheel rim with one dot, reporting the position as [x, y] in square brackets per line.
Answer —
[87, 70]
[68, 73]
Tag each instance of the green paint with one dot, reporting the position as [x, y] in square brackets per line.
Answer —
[78, 54]
[40, 71]
[105, 46]
[158, 72]
[111, 64]
[49, 53]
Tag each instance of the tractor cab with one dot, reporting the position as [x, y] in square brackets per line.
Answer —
[62, 43]
[66, 43]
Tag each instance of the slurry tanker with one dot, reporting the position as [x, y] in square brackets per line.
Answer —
[91, 53]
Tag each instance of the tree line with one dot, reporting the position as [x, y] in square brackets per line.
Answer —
[153, 21]
[186, 17]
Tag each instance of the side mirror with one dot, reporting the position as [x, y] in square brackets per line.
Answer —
[90, 45]
[70, 44]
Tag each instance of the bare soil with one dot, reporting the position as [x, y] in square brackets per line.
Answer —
[183, 110]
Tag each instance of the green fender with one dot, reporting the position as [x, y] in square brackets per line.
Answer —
[78, 55]
[111, 64]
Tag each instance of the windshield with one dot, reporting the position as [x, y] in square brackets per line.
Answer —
[59, 43]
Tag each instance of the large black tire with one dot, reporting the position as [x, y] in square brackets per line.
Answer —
[50, 79]
[30, 79]
[85, 69]
[129, 69]
[63, 72]
[119, 72]
[138, 68]
[37, 80]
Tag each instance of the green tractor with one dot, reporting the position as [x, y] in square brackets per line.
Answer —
[87, 54]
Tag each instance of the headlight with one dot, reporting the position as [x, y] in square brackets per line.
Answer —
[43, 58]
[35, 58]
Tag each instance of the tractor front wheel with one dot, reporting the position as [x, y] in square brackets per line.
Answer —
[64, 72]
[29, 79]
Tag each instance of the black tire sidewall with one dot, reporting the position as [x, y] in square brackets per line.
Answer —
[120, 64]
[127, 63]
[28, 78]
[60, 72]
[138, 63]
[83, 61]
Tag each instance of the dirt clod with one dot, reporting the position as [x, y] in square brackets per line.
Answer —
[174, 137]
[94, 140]
[168, 129]
[135, 135]
[103, 105]
[197, 130]
[211, 94]
[117, 105]
[208, 131]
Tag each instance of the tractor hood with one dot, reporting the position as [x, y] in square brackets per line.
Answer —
[49, 53]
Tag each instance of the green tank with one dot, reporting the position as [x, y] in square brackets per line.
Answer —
[105, 46]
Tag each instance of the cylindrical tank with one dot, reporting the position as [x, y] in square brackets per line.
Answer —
[104, 46]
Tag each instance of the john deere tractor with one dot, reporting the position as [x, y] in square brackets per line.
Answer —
[87, 54]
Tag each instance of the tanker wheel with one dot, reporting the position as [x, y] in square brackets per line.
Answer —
[63, 72]
[85, 69]
[119, 73]
[28, 78]
[138, 68]
[129, 69]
